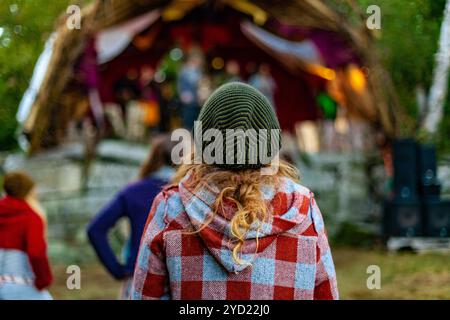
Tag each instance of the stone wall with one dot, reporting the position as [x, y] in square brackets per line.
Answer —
[348, 188]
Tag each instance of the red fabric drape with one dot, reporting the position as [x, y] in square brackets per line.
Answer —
[295, 93]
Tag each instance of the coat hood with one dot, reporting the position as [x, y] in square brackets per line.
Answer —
[11, 207]
[288, 206]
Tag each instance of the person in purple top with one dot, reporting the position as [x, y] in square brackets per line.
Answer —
[134, 203]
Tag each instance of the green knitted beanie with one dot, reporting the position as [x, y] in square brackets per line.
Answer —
[251, 135]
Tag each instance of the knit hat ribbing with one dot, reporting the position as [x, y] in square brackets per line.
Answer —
[238, 106]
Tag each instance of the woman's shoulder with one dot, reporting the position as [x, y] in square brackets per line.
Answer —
[169, 190]
[140, 184]
[33, 218]
[144, 186]
[169, 202]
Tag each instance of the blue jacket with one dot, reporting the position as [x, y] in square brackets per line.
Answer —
[134, 203]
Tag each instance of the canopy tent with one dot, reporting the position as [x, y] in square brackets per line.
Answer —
[114, 40]
[305, 41]
[36, 81]
[225, 37]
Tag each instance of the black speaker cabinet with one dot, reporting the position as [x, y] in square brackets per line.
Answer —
[426, 156]
[431, 191]
[437, 218]
[405, 170]
[429, 185]
[402, 219]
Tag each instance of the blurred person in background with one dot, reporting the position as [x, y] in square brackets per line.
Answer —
[188, 84]
[262, 80]
[150, 101]
[133, 203]
[233, 71]
[169, 107]
[24, 266]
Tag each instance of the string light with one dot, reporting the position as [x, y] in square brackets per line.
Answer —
[217, 63]
[323, 72]
[357, 78]
[176, 54]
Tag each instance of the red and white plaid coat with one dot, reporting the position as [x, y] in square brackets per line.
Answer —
[292, 259]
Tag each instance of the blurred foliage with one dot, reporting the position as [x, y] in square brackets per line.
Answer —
[407, 42]
[350, 234]
[24, 26]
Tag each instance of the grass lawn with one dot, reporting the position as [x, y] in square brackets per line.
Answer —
[403, 276]
[96, 284]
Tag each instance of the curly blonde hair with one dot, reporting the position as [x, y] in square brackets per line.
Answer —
[243, 188]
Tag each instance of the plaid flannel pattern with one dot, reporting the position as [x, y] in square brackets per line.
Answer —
[291, 261]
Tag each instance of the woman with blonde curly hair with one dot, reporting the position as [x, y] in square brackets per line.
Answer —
[224, 230]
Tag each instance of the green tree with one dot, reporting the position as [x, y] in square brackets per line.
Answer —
[24, 28]
[407, 44]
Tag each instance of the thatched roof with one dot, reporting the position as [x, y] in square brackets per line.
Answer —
[44, 120]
